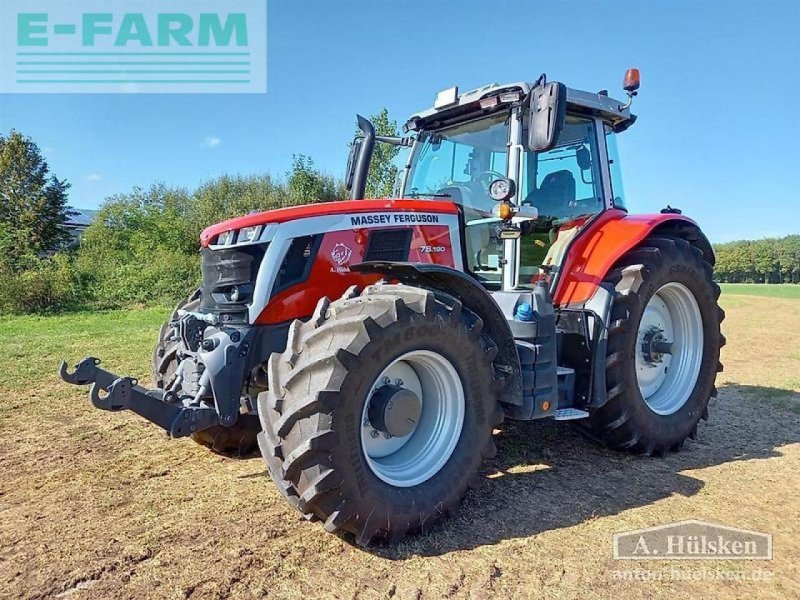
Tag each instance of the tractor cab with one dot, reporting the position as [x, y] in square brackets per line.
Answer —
[528, 164]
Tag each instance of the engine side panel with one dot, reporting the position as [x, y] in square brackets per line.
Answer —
[347, 240]
[596, 249]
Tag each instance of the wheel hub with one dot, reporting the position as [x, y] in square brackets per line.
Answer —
[655, 346]
[394, 410]
[412, 418]
[669, 348]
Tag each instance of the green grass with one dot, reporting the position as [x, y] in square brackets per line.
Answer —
[33, 346]
[785, 399]
[785, 290]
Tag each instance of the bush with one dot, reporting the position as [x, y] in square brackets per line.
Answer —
[163, 278]
[45, 284]
[143, 247]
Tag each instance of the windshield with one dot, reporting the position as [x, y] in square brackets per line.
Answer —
[460, 162]
[564, 184]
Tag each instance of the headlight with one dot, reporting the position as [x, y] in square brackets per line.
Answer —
[226, 239]
[248, 234]
[502, 189]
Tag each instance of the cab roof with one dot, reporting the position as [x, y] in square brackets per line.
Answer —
[598, 104]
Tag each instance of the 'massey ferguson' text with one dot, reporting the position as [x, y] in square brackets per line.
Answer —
[392, 219]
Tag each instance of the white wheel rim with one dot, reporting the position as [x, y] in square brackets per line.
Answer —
[666, 382]
[413, 459]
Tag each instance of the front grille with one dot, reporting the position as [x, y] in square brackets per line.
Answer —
[389, 245]
[229, 277]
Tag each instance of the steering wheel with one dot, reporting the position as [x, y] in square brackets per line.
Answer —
[487, 177]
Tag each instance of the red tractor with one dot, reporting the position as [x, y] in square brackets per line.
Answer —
[372, 346]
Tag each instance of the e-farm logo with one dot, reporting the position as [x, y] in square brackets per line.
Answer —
[142, 46]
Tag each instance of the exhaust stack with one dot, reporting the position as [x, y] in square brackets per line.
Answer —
[363, 158]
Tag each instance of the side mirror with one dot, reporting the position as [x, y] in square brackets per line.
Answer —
[548, 109]
[355, 148]
[584, 158]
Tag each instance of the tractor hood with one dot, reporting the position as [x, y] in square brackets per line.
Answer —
[305, 211]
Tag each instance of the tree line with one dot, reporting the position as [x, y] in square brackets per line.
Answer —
[142, 246]
[770, 260]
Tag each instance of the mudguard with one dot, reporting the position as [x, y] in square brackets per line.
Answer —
[475, 297]
[605, 239]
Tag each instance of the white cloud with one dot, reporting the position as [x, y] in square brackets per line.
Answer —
[211, 142]
[93, 177]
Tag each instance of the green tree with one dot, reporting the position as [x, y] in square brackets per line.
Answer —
[33, 202]
[383, 171]
[307, 185]
[141, 247]
[232, 196]
[768, 260]
[789, 258]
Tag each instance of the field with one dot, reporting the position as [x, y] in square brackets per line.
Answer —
[100, 505]
[783, 290]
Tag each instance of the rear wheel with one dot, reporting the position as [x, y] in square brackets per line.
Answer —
[663, 347]
[236, 441]
[381, 410]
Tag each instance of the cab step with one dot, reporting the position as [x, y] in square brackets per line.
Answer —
[570, 414]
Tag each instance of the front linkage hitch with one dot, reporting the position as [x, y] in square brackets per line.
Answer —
[162, 408]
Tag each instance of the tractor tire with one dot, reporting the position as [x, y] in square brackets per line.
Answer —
[320, 439]
[664, 292]
[236, 442]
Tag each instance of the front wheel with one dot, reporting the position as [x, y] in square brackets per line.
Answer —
[663, 347]
[381, 410]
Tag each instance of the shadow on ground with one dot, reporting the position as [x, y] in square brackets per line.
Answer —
[547, 476]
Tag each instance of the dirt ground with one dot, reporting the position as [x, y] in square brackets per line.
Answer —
[95, 505]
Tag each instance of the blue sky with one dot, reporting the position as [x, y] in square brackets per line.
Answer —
[719, 108]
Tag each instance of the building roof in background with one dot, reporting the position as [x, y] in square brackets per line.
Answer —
[82, 217]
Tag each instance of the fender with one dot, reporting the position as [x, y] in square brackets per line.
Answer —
[475, 297]
[606, 238]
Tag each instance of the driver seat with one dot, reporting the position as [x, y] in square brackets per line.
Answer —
[555, 194]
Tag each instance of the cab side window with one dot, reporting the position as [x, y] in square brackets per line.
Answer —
[617, 191]
[564, 182]
[565, 186]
